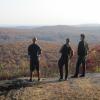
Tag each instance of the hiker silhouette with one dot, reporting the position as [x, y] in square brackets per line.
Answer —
[34, 52]
[66, 54]
[82, 54]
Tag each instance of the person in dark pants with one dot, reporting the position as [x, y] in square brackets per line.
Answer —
[82, 53]
[66, 54]
[34, 52]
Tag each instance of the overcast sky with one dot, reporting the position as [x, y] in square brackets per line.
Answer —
[49, 12]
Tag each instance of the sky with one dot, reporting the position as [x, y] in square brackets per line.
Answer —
[49, 12]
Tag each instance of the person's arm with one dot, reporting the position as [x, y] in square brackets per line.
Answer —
[87, 48]
[61, 50]
[78, 49]
[29, 51]
[39, 51]
[71, 52]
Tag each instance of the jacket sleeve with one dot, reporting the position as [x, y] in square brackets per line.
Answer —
[71, 52]
[39, 50]
[87, 47]
[61, 50]
[78, 48]
[29, 50]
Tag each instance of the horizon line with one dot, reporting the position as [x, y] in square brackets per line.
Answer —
[30, 25]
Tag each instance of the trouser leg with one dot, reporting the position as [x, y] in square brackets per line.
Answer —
[37, 69]
[84, 66]
[38, 73]
[31, 69]
[61, 72]
[30, 75]
[66, 69]
[60, 64]
[77, 66]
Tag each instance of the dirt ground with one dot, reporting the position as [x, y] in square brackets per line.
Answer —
[87, 88]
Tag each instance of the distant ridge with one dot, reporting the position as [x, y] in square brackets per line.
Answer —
[56, 33]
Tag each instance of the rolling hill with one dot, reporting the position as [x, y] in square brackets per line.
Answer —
[51, 33]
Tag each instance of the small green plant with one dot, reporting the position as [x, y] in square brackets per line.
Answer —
[97, 68]
[1, 66]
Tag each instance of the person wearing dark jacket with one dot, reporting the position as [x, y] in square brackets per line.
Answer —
[34, 52]
[66, 54]
[82, 53]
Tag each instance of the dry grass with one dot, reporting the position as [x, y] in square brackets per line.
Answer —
[14, 61]
[49, 89]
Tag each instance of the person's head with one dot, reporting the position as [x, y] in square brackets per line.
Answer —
[82, 37]
[34, 40]
[67, 41]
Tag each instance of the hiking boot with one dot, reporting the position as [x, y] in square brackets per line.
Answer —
[82, 76]
[30, 80]
[61, 79]
[75, 76]
[66, 79]
[38, 79]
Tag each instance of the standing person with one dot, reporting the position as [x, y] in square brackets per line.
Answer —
[66, 54]
[34, 52]
[82, 53]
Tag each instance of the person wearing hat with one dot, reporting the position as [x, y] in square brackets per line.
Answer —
[66, 54]
[82, 53]
[34, 52]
